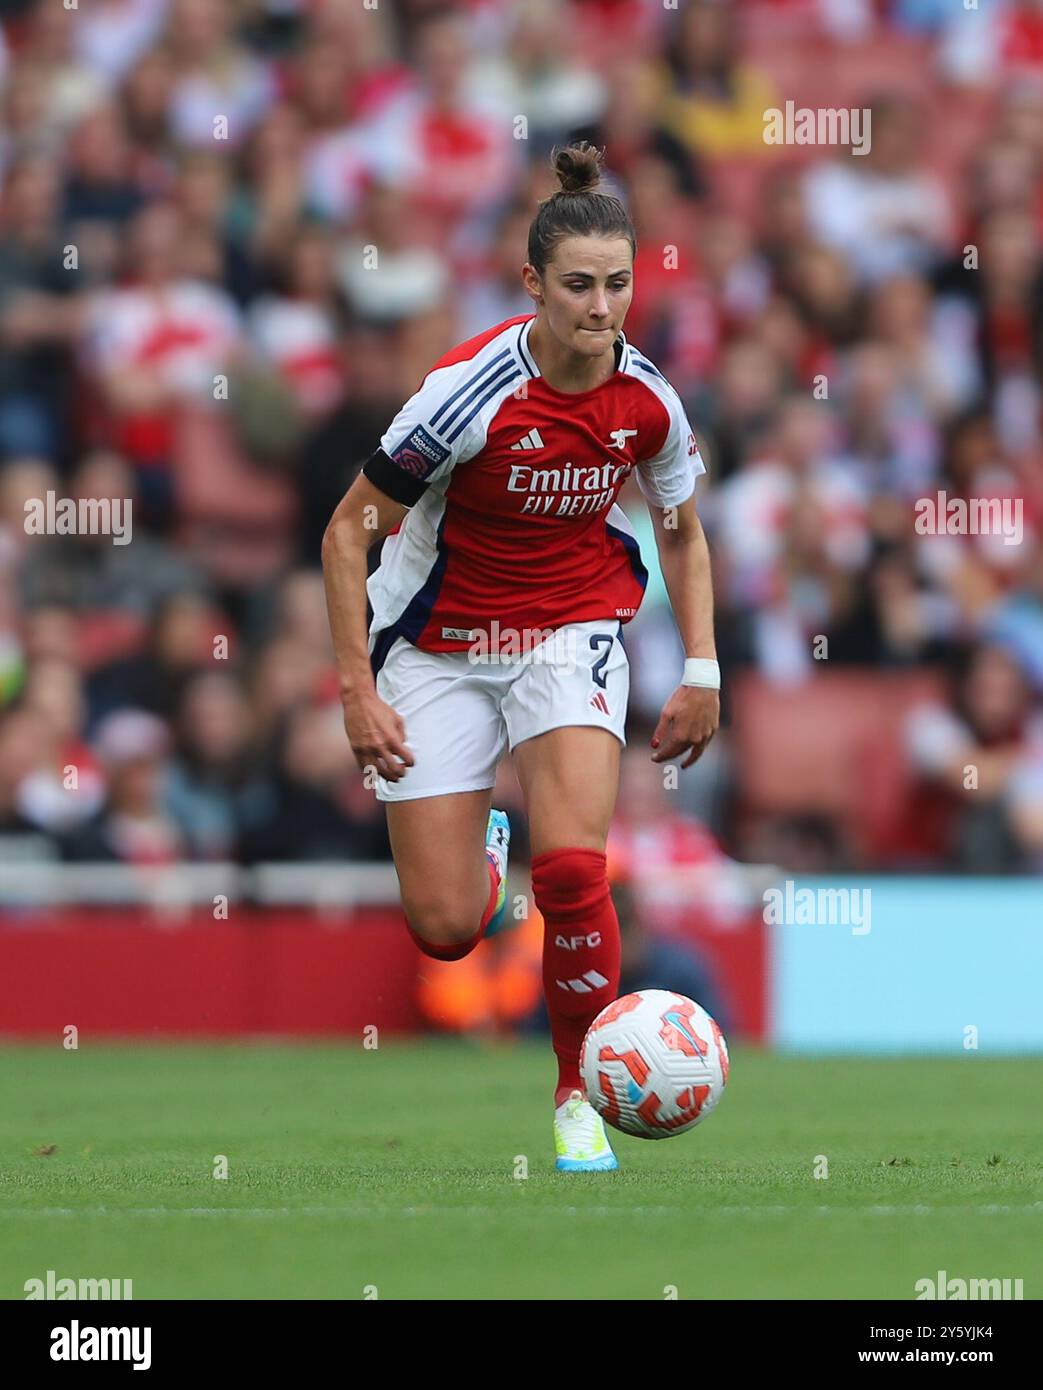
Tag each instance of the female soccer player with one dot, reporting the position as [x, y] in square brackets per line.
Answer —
[505, 579]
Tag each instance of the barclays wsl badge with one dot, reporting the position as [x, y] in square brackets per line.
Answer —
[420, 454]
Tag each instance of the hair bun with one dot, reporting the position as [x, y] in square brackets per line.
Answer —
[578, 167]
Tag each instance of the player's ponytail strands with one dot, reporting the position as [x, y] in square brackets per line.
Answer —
[578, 208]
[580, 949]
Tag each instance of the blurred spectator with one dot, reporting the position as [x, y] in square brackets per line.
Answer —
[180, 643]
[674, 321]
[322, 809]
[997, 38]
[102, 581]
[935, 366]
[809, 844]
[145, 97]
[65, 785]
[342, 79]
[794, 529]
[629, 130]
[23, 733]
[882, 206]
[101, 192]
[890, 437]
[742, 406]
[335, 449]
[982, 756]
[441, 141]
[112, 34]
[158, 341]
[496, 292]
[68, 89]
[385, 270]
[36, 312]
[133, 827]
[286, 673]
[220, 88]
[714, 101]
[295, 329]
[214, 244]
[673, 866]
[539, 70]
[215, 791]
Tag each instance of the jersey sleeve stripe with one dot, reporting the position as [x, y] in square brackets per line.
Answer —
[647, 366]
[507, 374]
[473, 384]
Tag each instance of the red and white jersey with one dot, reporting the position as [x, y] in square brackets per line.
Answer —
[514, 527]
[184, 333]
[299, 338]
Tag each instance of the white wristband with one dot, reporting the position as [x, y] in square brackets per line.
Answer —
[702, 670]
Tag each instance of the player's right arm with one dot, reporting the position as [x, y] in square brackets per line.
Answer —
[437, 427]
[376, 733]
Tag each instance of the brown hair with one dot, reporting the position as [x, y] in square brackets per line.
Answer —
[577, 209]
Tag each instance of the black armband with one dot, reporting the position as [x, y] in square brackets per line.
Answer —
[386, 475]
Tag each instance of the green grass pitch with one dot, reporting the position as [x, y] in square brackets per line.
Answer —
[394, 1169]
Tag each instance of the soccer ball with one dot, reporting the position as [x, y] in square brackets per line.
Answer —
[654, 1064]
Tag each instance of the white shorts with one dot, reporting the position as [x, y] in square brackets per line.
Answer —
[463, 709]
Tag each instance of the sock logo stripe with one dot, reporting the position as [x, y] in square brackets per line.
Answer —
[570, 889]
[584, 984]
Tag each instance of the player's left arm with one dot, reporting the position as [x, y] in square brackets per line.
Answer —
[692, 713]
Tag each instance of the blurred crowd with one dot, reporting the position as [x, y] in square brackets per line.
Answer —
[235, 235]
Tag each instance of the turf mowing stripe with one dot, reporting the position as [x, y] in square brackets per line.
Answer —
[992, 1209]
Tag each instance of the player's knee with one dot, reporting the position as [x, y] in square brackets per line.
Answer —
[569, 880]
[441, 924]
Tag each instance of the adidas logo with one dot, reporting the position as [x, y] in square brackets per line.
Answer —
[531, 440]
[599, 702]
[586, 984]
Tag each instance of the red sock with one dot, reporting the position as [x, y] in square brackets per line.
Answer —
[459, 949]
[580, 950]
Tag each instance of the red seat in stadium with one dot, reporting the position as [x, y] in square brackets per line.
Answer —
[834, 746]
[235, 517]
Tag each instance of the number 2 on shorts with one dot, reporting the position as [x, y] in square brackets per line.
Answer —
[597, 671]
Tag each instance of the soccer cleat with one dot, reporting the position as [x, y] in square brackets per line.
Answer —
[579, 1138]
[497, 843]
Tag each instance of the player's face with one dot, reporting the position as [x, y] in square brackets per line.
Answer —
[587, 288]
